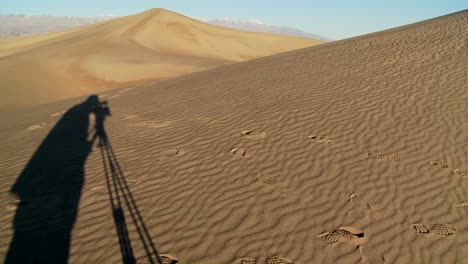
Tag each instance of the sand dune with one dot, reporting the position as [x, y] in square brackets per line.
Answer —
[274, 160]
[155, 44]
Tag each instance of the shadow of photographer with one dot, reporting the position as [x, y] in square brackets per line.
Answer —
[50, 186]
[49, 189]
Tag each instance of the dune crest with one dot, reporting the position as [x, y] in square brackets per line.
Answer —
[155, 44]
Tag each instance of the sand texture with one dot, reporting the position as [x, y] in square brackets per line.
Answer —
[353, 151]
[155, 44]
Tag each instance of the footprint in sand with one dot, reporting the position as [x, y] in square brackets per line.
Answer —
[250, 134]
[375, 155]
[444, 165]
[352, 236]
[394, 158]
[269, 260]
[420, 228]
[360, 208]
[459, 172]
[380, 156]
[440, 164]
[320, 139]
[278, 260]
[440, 229]
[344, 234]
[161, 259]
[35, 127]
[238, 152]
[443, 229]
[245, 261]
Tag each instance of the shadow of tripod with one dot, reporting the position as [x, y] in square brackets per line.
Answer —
[120, 196]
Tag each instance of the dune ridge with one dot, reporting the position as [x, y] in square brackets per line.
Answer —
[155, 44]
[362, 159]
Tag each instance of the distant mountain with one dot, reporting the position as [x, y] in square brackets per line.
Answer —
[258, 26]
[155, 44]
[23, 25]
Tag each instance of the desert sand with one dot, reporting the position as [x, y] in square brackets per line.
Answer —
[155, 44]
[348, 152]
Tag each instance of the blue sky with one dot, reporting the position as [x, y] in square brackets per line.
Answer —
[335, 19]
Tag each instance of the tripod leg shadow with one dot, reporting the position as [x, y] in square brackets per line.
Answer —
[120, 197]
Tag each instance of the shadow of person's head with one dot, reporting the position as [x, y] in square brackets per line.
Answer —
[92, 102]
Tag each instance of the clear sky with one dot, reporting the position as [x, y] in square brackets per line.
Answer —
[335, 19]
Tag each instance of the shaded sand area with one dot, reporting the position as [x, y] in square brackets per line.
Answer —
[348, 152]
[156, 44]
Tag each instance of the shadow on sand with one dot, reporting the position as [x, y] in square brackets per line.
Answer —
[49, 189]
[120, 196]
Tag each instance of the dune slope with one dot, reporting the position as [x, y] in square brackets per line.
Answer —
[362, 159]
[155, 44]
